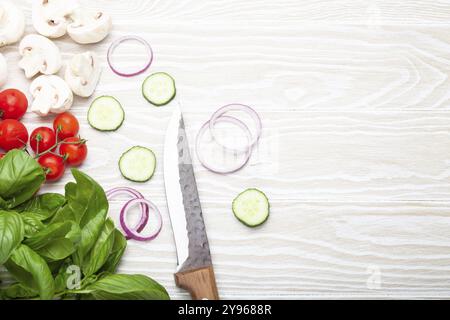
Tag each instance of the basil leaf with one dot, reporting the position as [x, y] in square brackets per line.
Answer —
[43, 206]
[17, 291]
[126, 287]
[120, 244]
[89, 235]
[52, 242]
[27, 267]
[67, 276]
[61, 280]
[20, 178]
[87, 206]
[57, 250]
[52, 232]
[86, 200]
[74, 234]
[11, 233]
[91, 196]
[32, 223]
[67, 213]
[101, 250]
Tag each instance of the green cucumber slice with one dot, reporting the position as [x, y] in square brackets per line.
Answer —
[106, 114]
[251, 207]
[137, 164]
[159, 88]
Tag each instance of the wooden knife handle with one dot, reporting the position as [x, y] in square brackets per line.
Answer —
[201, 283]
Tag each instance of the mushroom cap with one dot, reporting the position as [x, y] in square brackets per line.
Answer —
[12, 23]
[3, 70]
[51, 94]
[39, 54]
[83, 73]
[89, 26]
[50, 17]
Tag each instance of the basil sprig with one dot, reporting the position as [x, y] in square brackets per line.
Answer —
[57, 246]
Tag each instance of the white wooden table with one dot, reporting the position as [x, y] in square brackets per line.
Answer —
[355, 153]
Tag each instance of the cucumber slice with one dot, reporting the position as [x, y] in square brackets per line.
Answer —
[138, 164]
[106, 114]
[251, 207]
[159, 89]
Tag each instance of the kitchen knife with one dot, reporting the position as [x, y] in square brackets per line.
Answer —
[195, 272]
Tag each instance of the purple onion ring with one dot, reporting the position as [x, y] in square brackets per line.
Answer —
[132, 233]
[236, 107]
[118, 42]
[136, 195]
[202, 131]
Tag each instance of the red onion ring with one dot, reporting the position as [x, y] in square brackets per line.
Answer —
[202, 131]
[127, 190]
[136, 195]
[132, 233]
[236, 107]
[118, 42]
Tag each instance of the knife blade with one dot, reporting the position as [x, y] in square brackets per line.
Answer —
[195, 272]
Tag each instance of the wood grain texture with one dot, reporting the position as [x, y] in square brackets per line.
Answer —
[200, 283]
[354, 156]
[371, 12]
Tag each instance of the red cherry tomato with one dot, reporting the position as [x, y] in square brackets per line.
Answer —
[13, 135]
[42, 139]
[66, 125]
[1, 155]
[74, 151]
[53, 165]
[13, 104]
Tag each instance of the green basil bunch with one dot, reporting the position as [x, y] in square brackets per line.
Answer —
[46, 239]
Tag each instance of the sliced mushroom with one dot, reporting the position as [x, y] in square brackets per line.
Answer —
[88, 26]
[51, 95]
[39, 54]
[50, 17]
[82, 74]
[12, 23]
[3, 70]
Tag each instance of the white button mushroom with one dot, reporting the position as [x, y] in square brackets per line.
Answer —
[51, 95]
[39, 54]
[50, 17]
[3, 70]
[12, 23]
[89, 27]
[82, 74]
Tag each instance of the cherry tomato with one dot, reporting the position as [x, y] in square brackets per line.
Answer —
[67, 124]
[74, 151]
[13, 135]
[2, 155]
[13, 104]
[53, 165]
[42, 139]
